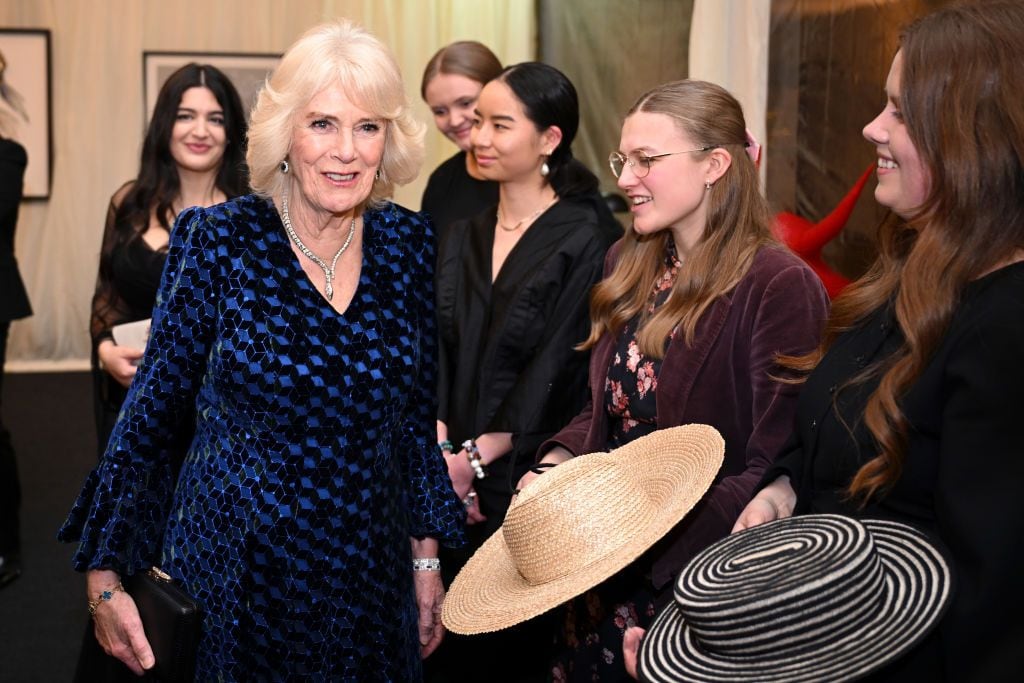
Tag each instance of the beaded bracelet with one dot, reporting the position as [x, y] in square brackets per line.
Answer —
[473, 453]
[426, 564]
[104, 597]
[445, 445]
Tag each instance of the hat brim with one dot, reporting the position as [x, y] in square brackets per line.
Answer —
[918, 588]
[490, 594]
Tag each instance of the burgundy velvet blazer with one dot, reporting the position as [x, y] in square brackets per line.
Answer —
[724, 380]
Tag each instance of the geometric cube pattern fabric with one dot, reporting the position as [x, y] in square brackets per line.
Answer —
[314, 456]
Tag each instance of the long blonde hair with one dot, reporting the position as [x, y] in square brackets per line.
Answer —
[737, 226]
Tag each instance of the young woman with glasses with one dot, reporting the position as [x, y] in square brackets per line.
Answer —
[697, 303]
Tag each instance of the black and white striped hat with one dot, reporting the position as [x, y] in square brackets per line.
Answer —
[811, 598]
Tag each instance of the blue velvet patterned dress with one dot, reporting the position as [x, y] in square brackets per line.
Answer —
[314, 457]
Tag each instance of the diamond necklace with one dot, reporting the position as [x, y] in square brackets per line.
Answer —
[328, 270]
[528, 219]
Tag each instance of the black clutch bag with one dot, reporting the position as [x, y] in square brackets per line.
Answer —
[172, 621]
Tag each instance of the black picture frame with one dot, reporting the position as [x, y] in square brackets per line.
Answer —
[247, 71]
[26, 103]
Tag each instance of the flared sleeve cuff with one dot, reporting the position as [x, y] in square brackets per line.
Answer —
[434, 509]
[119, 517]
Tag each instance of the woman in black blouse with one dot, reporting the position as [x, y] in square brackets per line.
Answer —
[512, 291]
[913, 412]
[193, 155]
[452, 82]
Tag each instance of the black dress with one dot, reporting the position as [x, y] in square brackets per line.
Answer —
[13, 305]
[961, 475]
[13, 298]
[135, 270]
[508, 365]
[452, 194]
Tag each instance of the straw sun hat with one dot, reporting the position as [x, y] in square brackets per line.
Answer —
[580, 523]
[810, 598]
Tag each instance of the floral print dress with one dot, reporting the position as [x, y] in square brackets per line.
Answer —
[590, 645]
[632, 377]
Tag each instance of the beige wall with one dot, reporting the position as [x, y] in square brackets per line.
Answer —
[96, 53]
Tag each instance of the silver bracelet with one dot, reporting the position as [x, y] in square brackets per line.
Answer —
[426, 564]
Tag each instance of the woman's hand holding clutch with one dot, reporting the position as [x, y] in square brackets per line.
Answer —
[118, 627]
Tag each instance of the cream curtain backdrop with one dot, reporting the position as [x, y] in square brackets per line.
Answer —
[729, 46]
[97, 120]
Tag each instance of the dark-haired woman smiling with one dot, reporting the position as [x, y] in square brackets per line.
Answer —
[193, 155]
[512, 291]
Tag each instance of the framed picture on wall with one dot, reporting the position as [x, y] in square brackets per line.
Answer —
[247, 72]
[25, 102]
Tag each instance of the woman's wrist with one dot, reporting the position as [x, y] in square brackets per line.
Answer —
[103, 348]
[493, 446]
[462, 464]
[472, 451]
[424, 555]
[101, 579]
[426, 564]
[100, 586]
[424, 547]
[781, 496]
[557, 455]
[484, 449]
[96, 599]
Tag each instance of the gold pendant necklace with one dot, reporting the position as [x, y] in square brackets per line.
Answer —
[527, 220]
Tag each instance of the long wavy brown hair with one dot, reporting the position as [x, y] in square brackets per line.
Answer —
[737, 226]
[961, 83]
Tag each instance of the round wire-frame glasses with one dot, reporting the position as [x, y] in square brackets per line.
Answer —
[641, 163]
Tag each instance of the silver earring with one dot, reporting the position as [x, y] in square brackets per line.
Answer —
[544, 170]
[377, 175]
[284, 166]
[707, 185]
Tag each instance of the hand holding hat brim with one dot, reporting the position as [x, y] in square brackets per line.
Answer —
[569, 530]
[811, 598]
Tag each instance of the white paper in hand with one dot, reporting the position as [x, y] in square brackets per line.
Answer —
[132, 335]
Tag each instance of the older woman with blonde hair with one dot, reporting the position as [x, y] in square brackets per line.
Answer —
[297, 326]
